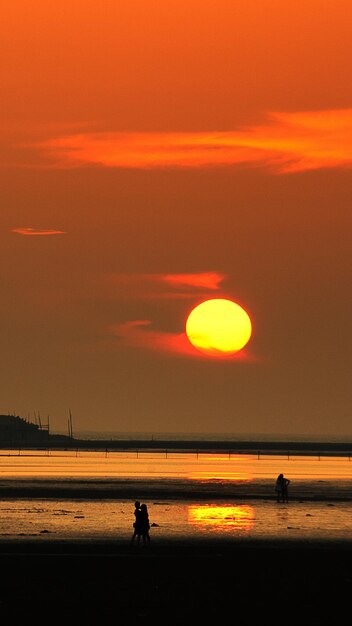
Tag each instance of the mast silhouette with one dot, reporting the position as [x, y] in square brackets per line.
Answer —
[70, 428]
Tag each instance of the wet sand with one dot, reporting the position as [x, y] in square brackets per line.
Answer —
[242, 582]
[327, 490]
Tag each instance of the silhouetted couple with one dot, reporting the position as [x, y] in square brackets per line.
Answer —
[281, 488]
[141, 524]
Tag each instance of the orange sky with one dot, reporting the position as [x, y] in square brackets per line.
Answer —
[154, 154]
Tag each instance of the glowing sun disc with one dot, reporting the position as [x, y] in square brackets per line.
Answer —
[218, 326]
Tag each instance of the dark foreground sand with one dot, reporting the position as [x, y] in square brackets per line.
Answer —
[229, 582]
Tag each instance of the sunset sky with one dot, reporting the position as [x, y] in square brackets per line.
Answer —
[157, 154]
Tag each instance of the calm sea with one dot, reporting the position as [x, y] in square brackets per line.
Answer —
[89, 496]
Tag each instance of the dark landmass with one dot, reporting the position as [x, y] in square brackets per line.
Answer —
[201, 582]
[17, 433]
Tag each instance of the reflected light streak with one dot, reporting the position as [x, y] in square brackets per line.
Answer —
[218, 467]
[219, 475]
[240, 517]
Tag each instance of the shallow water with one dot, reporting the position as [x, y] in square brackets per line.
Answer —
[189, 496]
[45, 520]
[169, 465]
[175, 474]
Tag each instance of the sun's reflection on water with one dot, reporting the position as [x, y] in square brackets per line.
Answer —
[222, 517]
[219, 476]
[217, 467]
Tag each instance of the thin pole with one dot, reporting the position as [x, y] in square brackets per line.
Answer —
[70, 425]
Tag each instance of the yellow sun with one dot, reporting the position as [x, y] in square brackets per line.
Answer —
[218, 327]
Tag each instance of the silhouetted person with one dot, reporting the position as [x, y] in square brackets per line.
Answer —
[281, 488]
[145, 525]
[278, 488]
[137, 526]
[285, 484]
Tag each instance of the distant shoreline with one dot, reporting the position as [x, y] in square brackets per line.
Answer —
[305, 448]
[17, 433]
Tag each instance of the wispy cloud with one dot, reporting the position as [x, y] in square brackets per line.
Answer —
[285, 142]
[42, 232]
[139, 333]
[207, 280]
[173, 286]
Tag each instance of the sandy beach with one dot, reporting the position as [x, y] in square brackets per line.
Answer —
[201, 582]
